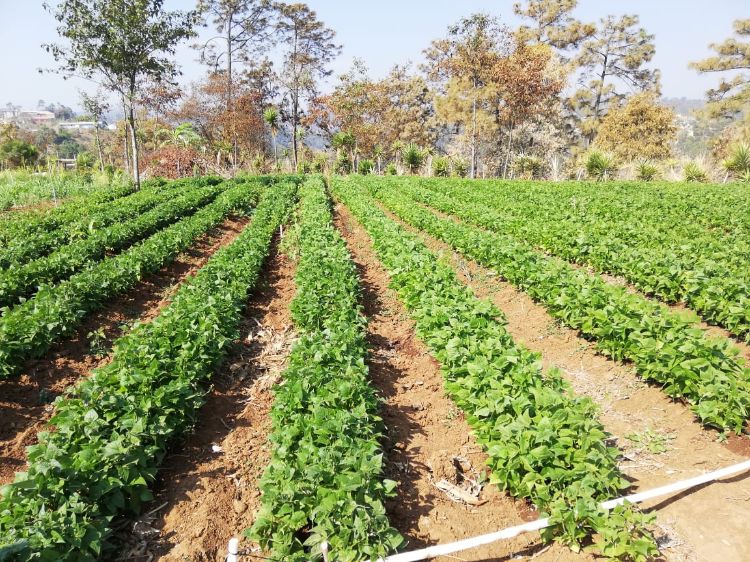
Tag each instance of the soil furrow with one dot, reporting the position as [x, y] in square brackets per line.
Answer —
[661, 439]
[207, 490]
[26, 400]
[427, 438]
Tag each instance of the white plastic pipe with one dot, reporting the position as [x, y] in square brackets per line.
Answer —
[465, 544]
[233, 552]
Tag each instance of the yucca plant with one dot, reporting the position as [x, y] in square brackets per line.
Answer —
[413, 157]
[441, 167]
[365, 167]
[646, 171]
[738, 162]
[528, 167]
[460, 167]
[600, 165]
[693, 172]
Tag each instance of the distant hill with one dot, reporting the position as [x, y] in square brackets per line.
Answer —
[683, 106]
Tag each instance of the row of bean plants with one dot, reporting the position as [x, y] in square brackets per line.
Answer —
[17, 224]
[544, 443]
[670, 260]
[112, 430]
[21, 250]
[664, 346]
[325, 480]
[17, 283]
[28, 330]
[28, 224]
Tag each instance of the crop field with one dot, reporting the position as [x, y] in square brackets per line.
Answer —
[373, 365]
[20, 189]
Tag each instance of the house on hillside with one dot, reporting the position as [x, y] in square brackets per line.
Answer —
[36, 117]
[79, 126]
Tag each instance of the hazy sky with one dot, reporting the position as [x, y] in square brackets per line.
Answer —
[384, 32]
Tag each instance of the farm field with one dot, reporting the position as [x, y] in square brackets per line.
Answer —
[20, 190]
[378, 363]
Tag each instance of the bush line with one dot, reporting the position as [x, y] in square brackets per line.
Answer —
[325, 481]
[665, 347]
[112, 431]
[544, 443]
[17, 283]
[29, 329]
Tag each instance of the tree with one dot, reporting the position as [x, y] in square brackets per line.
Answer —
[310, 48]
[464, 58]
[376, 112]
[413, 157]
[271, 118]
[124, 43]
[552, 24]
[245, 30]
[732, 96]
[96, 106]
[182, 136]
[617, 52]
[642, 128]
[345, 140]
[15, 153]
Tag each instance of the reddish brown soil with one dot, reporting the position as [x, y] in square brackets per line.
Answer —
[205, 497]
[705, 524]
[25, 400]
[428, 438]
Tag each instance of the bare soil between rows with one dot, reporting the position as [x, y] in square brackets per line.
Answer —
[704, 524]
[207, 491]
[25, 400]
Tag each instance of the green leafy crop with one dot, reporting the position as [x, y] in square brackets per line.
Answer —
[544, 443]
[325, 481]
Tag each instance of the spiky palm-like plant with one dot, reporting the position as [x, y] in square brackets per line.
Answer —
[600, 165]
[413, 157]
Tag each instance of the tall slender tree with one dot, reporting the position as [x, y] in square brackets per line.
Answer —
[271, 118]
[96, 106]
[732, 96]
[123, 44]
[245, 30]
[464, 58]
[310, 48]
[616, 54]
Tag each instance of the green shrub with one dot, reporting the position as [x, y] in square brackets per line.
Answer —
[600, 165]
[646, 171]
[413, 157]
[441, 167]
[343, 165]
[365, 167]
[528, 167]
[320, 163]
[738, 162]
[694, 173]
[460, 167]
[391, 170]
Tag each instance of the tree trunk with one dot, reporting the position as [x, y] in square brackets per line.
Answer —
[507, 152]
[134, 147]
[126, 140]
[230, 104]
[99, 147]
[599, 93]
[295, 108]
[275, 154]
[474, 137]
